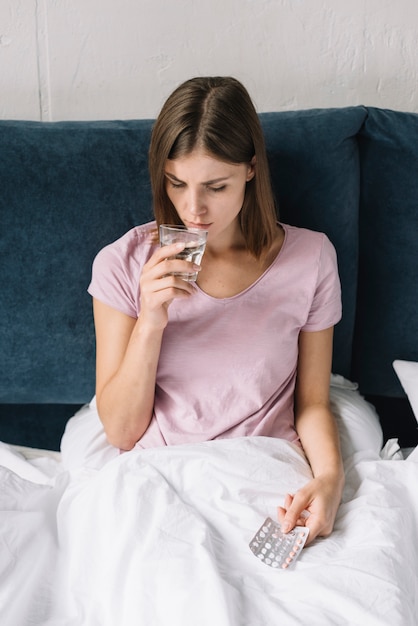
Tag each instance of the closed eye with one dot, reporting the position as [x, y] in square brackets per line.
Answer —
[175, 185]
[216, 189]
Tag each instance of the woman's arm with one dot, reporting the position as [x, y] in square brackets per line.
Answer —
[318, 434]
[128, 350]
[126, 361]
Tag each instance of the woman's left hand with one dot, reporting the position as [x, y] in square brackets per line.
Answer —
[315, 505]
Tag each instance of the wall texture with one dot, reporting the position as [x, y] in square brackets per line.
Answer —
[107, 59]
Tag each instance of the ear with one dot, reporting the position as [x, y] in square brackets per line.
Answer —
[251, 169]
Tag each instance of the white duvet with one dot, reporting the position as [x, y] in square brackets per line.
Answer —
[160, 537]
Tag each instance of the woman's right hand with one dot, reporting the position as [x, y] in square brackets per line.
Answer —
[159, 287]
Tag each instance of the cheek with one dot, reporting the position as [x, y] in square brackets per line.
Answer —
[230, 203]
[238, 199]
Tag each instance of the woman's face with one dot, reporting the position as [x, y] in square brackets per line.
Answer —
[208, 193]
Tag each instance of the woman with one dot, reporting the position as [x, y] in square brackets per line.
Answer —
[246, 351]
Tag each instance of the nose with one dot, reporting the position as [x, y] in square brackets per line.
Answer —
[195, 203]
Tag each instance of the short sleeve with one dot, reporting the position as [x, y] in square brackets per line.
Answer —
[326, 309]
[118, 267]
[110, 284]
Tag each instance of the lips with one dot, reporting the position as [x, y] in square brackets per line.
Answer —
[197, 226]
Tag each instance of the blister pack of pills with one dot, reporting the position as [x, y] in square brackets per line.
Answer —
[276, 549]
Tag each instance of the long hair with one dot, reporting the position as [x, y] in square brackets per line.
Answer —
[217, 115]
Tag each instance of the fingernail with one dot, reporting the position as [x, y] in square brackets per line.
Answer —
[285, 527]
[197, 268]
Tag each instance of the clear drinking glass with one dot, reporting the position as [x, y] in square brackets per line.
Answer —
[195, 240]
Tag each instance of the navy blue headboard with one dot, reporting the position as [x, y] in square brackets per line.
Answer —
[387, 300]
[69, 188]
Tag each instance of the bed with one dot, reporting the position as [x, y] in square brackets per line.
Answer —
[162, 536]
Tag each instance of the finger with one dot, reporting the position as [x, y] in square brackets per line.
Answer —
[295, 513]
[179, 267]
[161, 254]
[288, 500]
[314, 530]
[168, 273]
[281, 514]
[281, 510]
[318, 526]
[164, 252]
[165, 290]
[157, 292]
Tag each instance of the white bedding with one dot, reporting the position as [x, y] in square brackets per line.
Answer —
[160, 537]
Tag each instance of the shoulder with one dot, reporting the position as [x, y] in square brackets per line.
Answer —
[118, 266]
[304, 246]
[138, 243]
[301, 235]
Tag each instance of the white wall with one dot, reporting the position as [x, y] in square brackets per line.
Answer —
[107, 59]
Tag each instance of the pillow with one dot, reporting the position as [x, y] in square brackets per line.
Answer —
[407, 372]
[357, 420]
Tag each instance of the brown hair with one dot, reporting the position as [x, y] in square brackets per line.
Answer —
[216, 114]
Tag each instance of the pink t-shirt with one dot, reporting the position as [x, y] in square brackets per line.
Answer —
[227, 366]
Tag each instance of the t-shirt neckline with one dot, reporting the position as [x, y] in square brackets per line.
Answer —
[258, 280]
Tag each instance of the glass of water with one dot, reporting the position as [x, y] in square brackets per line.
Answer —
[195, 242]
